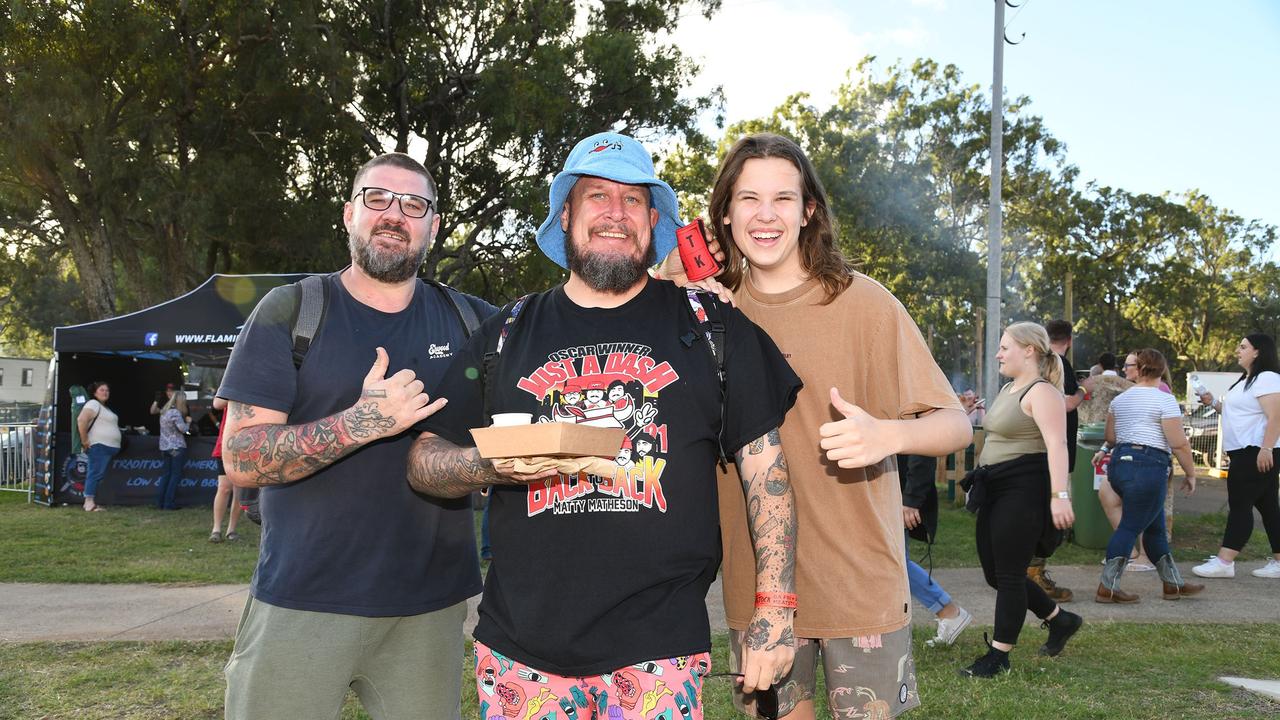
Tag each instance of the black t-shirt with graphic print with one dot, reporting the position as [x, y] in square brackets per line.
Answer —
[590, 575]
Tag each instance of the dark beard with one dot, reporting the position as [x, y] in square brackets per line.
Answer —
[384, 266]
[606, 272]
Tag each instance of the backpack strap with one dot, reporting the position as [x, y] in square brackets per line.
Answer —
[313, 302]
[466, 313]
[489, 368]
[704, 308]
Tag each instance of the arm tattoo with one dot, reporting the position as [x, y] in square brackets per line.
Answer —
[771, 514]
[440, 468]
[274, 454]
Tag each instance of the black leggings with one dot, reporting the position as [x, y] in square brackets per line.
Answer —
[1009, 523]
[1246, 489]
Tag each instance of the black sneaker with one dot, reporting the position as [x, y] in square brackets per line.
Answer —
[989, 665]
[1061, 628]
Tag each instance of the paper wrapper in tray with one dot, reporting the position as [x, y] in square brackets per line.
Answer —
[550, 441]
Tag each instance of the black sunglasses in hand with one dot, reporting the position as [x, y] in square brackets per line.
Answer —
[766, 699]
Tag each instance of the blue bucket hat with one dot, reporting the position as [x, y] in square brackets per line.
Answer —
[614, 157]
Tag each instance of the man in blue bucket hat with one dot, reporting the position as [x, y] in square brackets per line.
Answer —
[596, 598]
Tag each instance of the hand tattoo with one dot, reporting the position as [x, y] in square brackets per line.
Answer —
[375, 393]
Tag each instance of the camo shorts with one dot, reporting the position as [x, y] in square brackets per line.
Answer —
[872, 676]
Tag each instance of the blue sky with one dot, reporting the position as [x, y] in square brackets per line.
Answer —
[1148, 96]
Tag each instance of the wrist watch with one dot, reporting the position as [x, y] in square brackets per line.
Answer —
[1063, 495]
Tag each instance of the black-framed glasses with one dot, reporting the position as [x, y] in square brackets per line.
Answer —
[376, 198]
[766, 700]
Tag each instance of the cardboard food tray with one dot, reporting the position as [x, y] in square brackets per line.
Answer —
[547, 439]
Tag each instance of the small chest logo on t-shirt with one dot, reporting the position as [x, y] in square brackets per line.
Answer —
[437, 352]
[613, 385]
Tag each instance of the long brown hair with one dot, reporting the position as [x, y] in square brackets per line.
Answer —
[820, 258]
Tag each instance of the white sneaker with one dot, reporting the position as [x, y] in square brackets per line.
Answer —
[1215, 568]
[1270, 570]
[950, 628]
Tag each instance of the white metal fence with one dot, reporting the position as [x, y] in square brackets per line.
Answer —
[17, 456]
[1203, 426]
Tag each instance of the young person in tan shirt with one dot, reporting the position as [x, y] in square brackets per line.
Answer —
[872, 390]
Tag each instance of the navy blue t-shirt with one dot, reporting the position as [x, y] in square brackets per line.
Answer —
[593, 574]
[354, 538]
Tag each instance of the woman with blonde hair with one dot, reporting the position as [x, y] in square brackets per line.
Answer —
[1019, 491]
[174, 424]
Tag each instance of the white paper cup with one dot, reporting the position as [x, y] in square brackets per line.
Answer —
[503, 419]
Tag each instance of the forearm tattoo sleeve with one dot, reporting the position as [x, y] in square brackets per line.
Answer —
[438, 467]
[274, 454]
[771, 512]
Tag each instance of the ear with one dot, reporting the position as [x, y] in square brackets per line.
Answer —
[348, 211]
[564, 218]
[808, 212]
[435, 226]
[653, 218]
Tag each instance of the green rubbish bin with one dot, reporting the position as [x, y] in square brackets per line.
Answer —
[1091, 529]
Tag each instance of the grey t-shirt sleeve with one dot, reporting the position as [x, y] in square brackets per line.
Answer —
[260, 371]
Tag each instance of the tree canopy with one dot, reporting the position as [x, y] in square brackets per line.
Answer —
[146, 145]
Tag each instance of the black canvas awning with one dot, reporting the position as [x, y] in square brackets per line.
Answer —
[200, 326]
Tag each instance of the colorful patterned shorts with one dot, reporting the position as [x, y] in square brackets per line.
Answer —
[669, 689]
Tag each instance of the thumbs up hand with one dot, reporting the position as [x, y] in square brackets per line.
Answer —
[390, 405]
[858, 440]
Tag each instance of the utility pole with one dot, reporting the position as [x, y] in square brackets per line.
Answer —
[1068, 312]
[994, 291]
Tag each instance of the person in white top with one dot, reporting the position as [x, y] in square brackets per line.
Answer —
[1145, 426]
[1250, 435]
[100, 437]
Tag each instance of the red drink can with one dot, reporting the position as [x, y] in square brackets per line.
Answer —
[696, 257]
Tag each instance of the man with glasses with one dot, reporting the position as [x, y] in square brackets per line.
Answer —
[361, 583]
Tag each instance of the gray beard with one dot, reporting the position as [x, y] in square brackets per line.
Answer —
[608, 273]
[388, 267]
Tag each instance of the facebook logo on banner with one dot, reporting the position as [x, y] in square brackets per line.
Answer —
[152, 339]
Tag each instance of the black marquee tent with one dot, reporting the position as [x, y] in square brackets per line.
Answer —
[137, 354]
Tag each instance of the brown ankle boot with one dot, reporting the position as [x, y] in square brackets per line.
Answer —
[1174, 586]
[1040, 576]
[1117, 596]
[1109, 587]
[1173, 592]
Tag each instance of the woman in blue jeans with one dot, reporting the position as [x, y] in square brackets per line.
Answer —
[100, 437]
[174, 424]
[1144, 426]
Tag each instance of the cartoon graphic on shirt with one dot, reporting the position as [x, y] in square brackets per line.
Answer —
[614, 385]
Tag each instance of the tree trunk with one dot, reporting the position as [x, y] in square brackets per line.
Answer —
[91, 251]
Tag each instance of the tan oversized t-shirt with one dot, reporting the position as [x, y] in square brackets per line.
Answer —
[851, 575]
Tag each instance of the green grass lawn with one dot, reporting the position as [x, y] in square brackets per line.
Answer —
[1111, 670]
[145, 545]
[120, 545]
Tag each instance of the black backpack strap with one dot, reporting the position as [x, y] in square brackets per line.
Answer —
[489, 368]
[704, 308]
[313, 302]
[466, 313]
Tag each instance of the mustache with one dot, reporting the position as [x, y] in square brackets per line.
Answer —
[389, 228]
[614, 228]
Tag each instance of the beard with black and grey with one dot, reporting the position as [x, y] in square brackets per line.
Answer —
[609, 272]
[386, 265]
